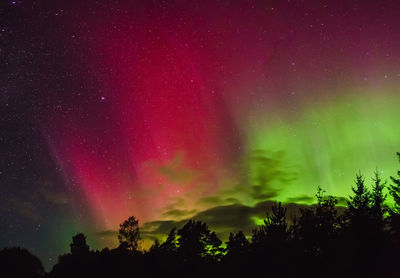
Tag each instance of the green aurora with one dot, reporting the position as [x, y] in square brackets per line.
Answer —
[328, 143]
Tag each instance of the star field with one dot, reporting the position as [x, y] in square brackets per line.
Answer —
[168, 110]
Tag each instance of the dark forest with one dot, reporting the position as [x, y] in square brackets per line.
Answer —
[323, 240]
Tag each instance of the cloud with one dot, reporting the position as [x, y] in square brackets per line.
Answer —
[231, 206]
[261, 176]
[176, 213]
[213, 200]
[221, 219]
[302, 199]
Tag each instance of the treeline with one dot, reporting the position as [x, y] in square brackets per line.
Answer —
[323, 240]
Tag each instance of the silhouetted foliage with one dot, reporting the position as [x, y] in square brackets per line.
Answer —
[318, 226]
[18, 262]
[78, 245]
[394, 188]
[359, 203]
[378, 207]
[323, 240]
[196, 240]
[170, 245]
[128, 234]
[237, 245]
[274, 228]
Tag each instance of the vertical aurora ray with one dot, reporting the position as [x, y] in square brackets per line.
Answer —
[327, 144]
[182, 96]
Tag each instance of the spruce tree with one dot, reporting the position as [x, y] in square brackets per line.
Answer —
[394, 189]
[359, 203]
[378, 197]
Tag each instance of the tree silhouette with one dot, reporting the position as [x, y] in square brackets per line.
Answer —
[394, 191]
[129, 235]
[196, 240]
[275, 228]
[378, 198]
[213, 249]
[270, 242]
[237, 244]
[276, 225]
[237, 255]
[170, 245]
[18, 262]
[318, 225]
[360, 231]
[327, 216]
[78, 245]
[323, 240]
[359, 204]
[394, 188]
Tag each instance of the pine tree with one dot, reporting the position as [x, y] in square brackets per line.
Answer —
[394, 189]
[361, 222]
[378, 198]
[275, 227]
[327, 220]
[170, 244]
[213, 249]
[359, 203]
[237, 243]
[197, 241]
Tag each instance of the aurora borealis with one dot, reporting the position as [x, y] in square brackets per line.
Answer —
[168, 110]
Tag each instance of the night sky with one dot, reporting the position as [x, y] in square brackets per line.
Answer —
[168, 110]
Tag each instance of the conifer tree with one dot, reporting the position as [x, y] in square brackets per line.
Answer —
[394, 189]
[237, 243]
[275, 227]
[170, 244]
[378, 197]
[359, 203]
[197, 241]
[276, 224]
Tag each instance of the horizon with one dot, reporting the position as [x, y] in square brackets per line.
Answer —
[170, 111]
